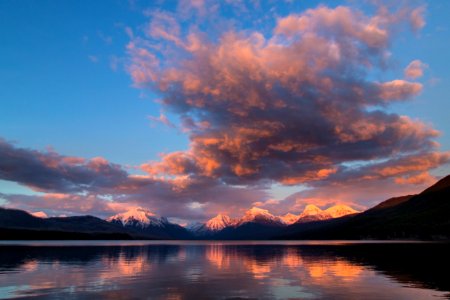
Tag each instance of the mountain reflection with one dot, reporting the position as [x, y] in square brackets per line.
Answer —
[215, 270]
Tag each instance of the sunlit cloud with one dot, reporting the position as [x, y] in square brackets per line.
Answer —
[415, 69]
[297, 104]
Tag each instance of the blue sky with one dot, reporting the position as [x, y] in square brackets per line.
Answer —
[60, 90]
[53, 94]
[64, 82]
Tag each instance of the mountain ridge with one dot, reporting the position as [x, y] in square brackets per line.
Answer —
[142, 221]
[257, 217]
[422, 216]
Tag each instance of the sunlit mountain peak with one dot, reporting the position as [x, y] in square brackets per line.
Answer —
[340, 211]
[289, 218]
[310, 210]
[255, 211]
[40, 214]
[313, 213]
[219, 222]
[138, 216]
[259, 214]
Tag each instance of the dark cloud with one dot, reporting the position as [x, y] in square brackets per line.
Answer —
[68, 184]
[52, 172]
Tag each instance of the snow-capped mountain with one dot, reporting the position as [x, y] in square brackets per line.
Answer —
[212, 226]
[39, 214]
[138, 217]
[194, 226]
[314, 213]
[259, 215]
[338, 211]
[289, 218]
[219, 222]
[143, 222]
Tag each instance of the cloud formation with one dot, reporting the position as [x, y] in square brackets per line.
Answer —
[298, 105]
[292, 107]
[66, 184]
[415, 69]
[52, 172]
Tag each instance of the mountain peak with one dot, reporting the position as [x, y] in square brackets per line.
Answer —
[194, 226]
[219, 222]
[138, 216]
[256, 214]
[289, 218]
[311, 209]
[443, 183]
[255, 209]
[39, 214]
[340, 210]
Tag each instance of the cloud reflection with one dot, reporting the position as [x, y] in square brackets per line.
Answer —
[211, 270]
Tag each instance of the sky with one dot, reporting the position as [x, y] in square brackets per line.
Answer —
[193, 108]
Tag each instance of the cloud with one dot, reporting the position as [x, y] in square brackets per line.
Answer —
[341, 23]
[70, 204]
[67, 184]
[296, 105]
[52, 172]
[162, 118]
[415, 69]
[417, 20]
[292, 107]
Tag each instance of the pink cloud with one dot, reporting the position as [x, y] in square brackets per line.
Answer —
[298, 106]
[288, 108]
[162, 118]
[415, 69]
[417, 19]
[398, 89]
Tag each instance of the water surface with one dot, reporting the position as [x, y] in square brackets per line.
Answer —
[223, 270]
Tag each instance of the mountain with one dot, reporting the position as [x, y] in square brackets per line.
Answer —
[341, 210]
[260, 216]
[138, 217]
[258, 223]
[421, 216]
[212, 226]
[18, 224]
[312, 213]
[40, 214]
[289, 218]
[219, 222]
[143, 222]
[194, 226]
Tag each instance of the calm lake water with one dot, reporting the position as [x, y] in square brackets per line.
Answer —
[224, 270]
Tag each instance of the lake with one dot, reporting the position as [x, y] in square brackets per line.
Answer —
[223, 270]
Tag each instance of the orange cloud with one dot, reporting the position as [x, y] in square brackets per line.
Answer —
[415, 69]
[288, 108]
[399, 89]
